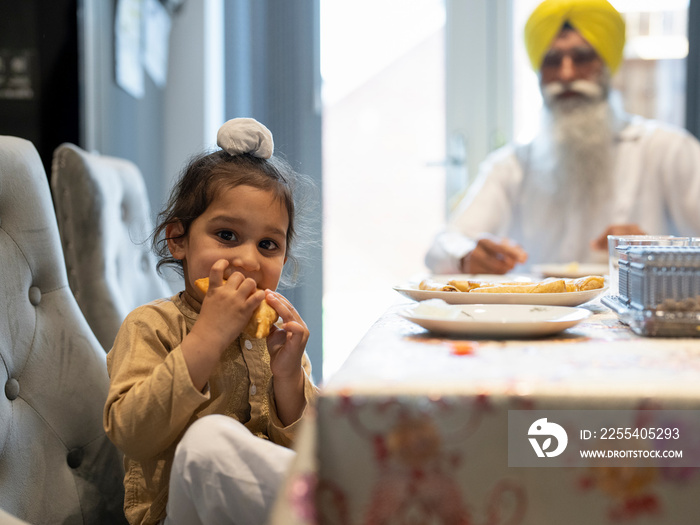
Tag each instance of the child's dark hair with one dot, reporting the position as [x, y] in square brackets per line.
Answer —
[209, 173]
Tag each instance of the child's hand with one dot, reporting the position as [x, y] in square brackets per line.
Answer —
[225, 312]
[227, 307]
[286, 345]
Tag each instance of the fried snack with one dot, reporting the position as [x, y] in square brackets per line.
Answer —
[467, 286]
[455, 285]
[554, 286]
[590, 282]
[551, 285]
[260, 322]
[203, 284]
[433, 286]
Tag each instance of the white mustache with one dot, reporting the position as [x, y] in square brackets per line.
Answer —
[586, 88]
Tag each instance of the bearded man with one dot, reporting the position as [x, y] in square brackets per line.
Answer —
[591, 171]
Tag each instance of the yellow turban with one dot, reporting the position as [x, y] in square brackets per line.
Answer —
[596, 20]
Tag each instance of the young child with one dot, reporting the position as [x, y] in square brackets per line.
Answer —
[191, 397]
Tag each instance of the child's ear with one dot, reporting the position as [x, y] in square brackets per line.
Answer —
[174, 233]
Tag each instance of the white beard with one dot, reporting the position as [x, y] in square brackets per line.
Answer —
[576, 144]
[568, 174]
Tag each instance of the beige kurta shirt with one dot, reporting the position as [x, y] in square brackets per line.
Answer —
[152, 401]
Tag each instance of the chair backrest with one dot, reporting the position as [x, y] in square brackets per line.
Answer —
[56, 463]
[104, 219]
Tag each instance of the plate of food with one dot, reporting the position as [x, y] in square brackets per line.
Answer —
[570, 270]
[549, 292]
[494, 320]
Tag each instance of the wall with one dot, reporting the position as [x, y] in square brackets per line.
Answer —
[273, 75]
[194, 97]
[161, 130]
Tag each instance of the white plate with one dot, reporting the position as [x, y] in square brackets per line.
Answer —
[571, 270]
[502, 320]
[549, 299]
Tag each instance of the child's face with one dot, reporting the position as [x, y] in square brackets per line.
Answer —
[244, 225]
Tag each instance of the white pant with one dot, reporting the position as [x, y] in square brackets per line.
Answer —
[223, 474]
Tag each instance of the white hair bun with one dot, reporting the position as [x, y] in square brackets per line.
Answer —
[245, 135]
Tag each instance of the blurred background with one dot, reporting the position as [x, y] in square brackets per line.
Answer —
[388, 105]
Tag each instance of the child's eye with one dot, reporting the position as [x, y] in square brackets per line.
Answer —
[227, 235]
[268, 245]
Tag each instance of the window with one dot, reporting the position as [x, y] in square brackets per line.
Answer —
[382, 63]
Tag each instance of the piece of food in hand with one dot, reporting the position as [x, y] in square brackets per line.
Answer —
[203, 284]
[260, 322]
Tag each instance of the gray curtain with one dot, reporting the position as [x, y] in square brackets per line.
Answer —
[692, 118]
[273, 75]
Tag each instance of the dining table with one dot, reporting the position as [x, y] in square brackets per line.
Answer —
[425, 427]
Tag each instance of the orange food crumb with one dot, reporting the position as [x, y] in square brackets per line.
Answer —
[462, 347]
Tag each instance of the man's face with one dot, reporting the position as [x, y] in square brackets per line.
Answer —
[570, 59]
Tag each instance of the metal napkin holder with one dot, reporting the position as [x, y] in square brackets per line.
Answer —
[659, 290]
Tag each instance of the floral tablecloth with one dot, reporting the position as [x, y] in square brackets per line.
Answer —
[413, 429]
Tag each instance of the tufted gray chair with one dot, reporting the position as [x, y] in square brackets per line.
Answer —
[56, 464]
[104, 219]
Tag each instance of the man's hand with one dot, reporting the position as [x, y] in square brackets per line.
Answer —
[601, 243]
[493, 255]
